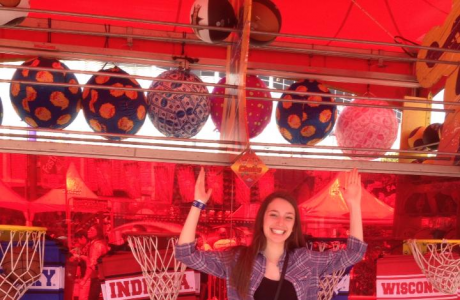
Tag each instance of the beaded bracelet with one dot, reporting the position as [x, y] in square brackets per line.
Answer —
[199, 204]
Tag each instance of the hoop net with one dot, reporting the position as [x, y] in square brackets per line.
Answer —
[22, 249]
[440, 264]
[328, 283]
[162, 272]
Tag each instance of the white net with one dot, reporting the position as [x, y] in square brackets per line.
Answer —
[440, 263]
[162, 272]
[328, 283]
[22, 249]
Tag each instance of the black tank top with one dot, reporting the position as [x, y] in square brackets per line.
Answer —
[267, 290]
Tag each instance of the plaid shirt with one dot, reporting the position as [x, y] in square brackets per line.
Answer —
[305, 267]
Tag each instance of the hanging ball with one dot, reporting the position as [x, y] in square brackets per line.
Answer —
[44, 105]
[366, 127]
[116, 111]
[218, 13]
[12, 18]
[415, 139]
[432, 135]
[258, 112]
[179, 115]
[306, 123]
[265, 16]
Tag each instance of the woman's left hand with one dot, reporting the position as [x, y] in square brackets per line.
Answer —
[351, 189]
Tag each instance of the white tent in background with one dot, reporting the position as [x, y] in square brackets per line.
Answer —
[58, 199]
[329, 204]
[10, 199]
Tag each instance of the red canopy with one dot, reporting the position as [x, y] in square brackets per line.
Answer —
[376, 20]
[371, 20]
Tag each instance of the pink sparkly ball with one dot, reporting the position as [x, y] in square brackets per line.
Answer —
[366, 127]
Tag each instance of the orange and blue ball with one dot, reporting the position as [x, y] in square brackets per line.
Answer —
[116, 111]
[306, 123]
[42, 105]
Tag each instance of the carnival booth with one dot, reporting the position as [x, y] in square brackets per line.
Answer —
[109, 110]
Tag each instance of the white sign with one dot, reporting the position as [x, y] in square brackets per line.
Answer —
[136, 287]
[52, 278]
[405, 287]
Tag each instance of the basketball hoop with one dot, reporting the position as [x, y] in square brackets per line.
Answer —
[22, 249]
[162, 272]
[328, 283]
[440, 264]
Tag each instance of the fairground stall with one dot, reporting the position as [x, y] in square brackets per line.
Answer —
[109, 109]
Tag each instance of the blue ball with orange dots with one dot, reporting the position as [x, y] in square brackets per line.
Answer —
[40, 104]
[306, 123]
[116, 105]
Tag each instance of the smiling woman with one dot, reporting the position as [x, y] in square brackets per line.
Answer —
[277, 250]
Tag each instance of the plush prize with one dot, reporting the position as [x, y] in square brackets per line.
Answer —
[179, 115]
[218, 13]
[367, 127]
[306, 123]
[432, 135]
[114, 110]
[415, 139]
[43, 105]
[258, 111]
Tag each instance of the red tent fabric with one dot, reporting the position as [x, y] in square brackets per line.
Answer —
[369, 20]
[376, 20]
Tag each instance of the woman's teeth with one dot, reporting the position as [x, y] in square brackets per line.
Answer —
[277, 231]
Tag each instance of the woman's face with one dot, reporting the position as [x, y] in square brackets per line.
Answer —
[278, 221]
[92, 232]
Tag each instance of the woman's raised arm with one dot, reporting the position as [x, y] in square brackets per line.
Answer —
[202, 196]
[351, 191]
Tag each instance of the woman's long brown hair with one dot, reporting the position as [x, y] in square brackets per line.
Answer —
[241, 273]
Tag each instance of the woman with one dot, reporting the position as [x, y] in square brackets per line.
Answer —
[97, 248]
[253, 272]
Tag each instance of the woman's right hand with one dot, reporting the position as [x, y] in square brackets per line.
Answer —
[200, 188]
